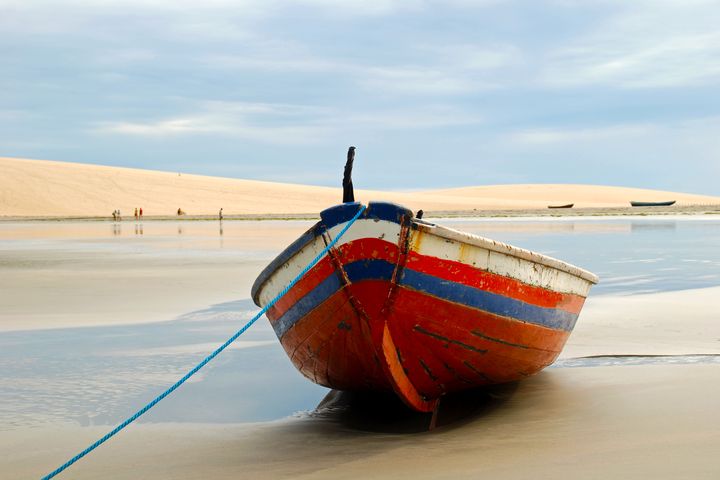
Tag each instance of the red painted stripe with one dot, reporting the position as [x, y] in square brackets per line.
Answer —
[305, 285]
[372, 248]
[367, 248]
[471, 276]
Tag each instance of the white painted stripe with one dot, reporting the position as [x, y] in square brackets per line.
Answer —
[363, 228]
[425, 242]
[495, 246]
[447, 244]
[368, 228]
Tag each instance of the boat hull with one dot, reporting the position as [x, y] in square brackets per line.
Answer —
[403, 305]
[652, 204]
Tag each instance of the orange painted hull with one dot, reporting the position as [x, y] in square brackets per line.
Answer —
[377, 314]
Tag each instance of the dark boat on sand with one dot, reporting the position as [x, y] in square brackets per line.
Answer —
[652, 204]
[567, 205]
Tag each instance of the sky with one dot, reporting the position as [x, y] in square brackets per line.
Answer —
[433, 94]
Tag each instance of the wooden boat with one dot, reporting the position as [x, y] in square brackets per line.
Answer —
[405, 305]
[652, 204]
[567, 205]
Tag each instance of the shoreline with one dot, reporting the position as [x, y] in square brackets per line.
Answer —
[682, 210]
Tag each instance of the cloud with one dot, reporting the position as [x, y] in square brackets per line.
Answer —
[365, 7]
[683, 151]
[699, 134]
[448, 70]
[680, 60]
[415, 80]
[413, 118]
[286, 123]
[271, 61]
[76, 12]
[410, 79]
[289, 124]
[16, 115]
[257, 37]
[643, 45]
[551, 136]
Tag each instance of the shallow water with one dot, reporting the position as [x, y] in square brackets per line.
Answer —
[630, 255]
[97, 375]
[632, 360]
[101, 374]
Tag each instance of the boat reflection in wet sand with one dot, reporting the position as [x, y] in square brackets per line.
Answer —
[400, 304]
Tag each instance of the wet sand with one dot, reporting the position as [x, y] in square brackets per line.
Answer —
[75, 274]
[110, 331]
[658, 422]
[668, 323]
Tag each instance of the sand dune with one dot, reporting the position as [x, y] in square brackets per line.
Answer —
[41, 188]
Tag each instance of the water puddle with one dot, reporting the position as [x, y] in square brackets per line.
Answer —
[628, 360]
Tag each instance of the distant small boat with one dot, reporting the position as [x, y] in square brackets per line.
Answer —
[567, 205]
[652, 204]
[400, 304]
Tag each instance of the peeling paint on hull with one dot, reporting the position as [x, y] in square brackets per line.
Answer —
[404, 305]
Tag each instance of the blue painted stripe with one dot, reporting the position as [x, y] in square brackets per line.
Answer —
[490, 302]
[388, 211]
[306, 304]
[444, 289]
[356, 271]
[369, 270]
[338, 214]
[391, 212]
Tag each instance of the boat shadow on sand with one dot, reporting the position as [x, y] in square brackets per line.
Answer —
[373, 412]
[385, 413]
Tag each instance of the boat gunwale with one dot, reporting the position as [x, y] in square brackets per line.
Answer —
[428, 227]
[283, 257]
[504, 248]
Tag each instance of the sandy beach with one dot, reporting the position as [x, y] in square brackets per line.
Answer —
[104, 314]
[102, 274]
[46, 189]
[603, 422]
[93, 327]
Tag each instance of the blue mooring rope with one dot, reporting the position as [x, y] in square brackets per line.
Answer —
[208, 358]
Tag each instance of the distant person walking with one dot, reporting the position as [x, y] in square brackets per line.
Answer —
[348, 192]
[136, 213]
[119, 216]
[141, 212]
[220, 213]
[114, 214]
